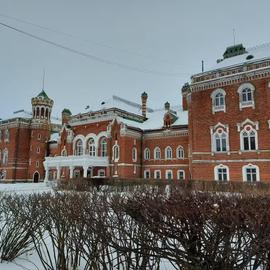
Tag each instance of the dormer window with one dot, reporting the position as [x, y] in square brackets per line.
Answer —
[218, 100]
[246, 96]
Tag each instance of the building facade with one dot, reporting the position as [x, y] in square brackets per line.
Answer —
[221, 132]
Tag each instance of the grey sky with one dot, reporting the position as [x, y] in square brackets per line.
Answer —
[168, 36]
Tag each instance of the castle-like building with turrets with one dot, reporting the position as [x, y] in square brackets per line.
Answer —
[221, 132]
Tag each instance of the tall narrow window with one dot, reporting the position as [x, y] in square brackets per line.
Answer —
[157, 153]
[157, 174]
[103, 146]
[134, 154]
[218, 100]
[248, 137]
[91, 147]
[169, 174]
[181, 174]
[116, 152]
[79, 148]
[246, 95]
[220, 141]
[6, 135]
[146, 154]
[168, 152]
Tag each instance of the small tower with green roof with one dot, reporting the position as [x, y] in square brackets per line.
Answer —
[42, 107]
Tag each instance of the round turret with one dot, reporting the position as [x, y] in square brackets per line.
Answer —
[42, 106]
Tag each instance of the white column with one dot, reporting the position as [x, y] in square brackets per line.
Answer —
[58, 173]
[46, 174]
[85, 168]
[71, 170]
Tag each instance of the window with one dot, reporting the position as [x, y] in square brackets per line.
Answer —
[251, 173]
[101, 173]
[169, 174]
[6, 135]
[5, 157]
[91, 147]
[37, 164]
[248, 137]
[157, 153]
[180, 152]
[38, 149]
[79, 148]
[246, 95]
[168, 152]
[103, 146]
[221, 173]
[146, 154]
[134, 154]
[157, 174]
[147, 174]
[218, 100]
[39, 136]
[116, 152]
[220, 141]
[181, 174]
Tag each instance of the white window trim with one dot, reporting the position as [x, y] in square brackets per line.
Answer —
[221, 108]
[242, 139]
[167, 173]
[166, 153]
[92, 146]
[221, 166]
[134, 154]
[102, 171]
[146, 154]
[157, 149]
[115, 159]
[145, 172]
[214, 146]
[155, 174]
[179, 148]
[184, 175]
[250, 166]
[5, 157]
[241, 103]
[38, 150]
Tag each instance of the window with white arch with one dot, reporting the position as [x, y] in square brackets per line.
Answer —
[220, 141]
[169, 174]
[221, 173]
[134, 154]
[251, 173]
[157, 153]
[147, 174]
[246, 95]
[103, 147]
[79, 148]
[146, 154]
[181, 175]
[180, 154]
[218, 100]
[168, 152]
[5, 157]
[157, 174]
[116, 153]
[91, 147]
[248, 139]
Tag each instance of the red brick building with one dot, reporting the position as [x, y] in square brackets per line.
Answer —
[221, 132]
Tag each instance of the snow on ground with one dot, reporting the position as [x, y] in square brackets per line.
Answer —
[25, 188]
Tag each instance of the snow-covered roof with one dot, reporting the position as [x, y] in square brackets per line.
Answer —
[120, 103]
[54, 137]
[155, 119]
[19, 114]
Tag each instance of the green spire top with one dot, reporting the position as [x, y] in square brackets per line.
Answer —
[43, 95]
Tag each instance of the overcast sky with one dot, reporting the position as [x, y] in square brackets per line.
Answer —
[140, 45]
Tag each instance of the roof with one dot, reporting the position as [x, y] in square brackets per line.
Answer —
[43, 95]
[253, 54]
[18, 114]
[155, 119]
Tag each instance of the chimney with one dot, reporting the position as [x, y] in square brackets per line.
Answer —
[144, 97]
[66, 115]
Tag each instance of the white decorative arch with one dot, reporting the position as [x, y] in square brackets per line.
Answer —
[250, 166]
[78, 137]
[216, 172]
[218, 100]
[146, 154]
[246, 103]
[157, 153]
[180, 152]
[168, 153]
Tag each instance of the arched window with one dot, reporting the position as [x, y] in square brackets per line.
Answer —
[91, 147]
[5, 157]
[181, 174]
[169, 174]
[218, 100]
[220, 141]
[180, 152]
[42, 112]
[116, 152]
[64, 152]
[146, 154]
[168, 152]
[79, 148]
[251, 173]
[157, 174]
[248, 137]
[134, 154]
[221, 173]
[147, 174]
[246, 95]
[157, 153]
[103, 147]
